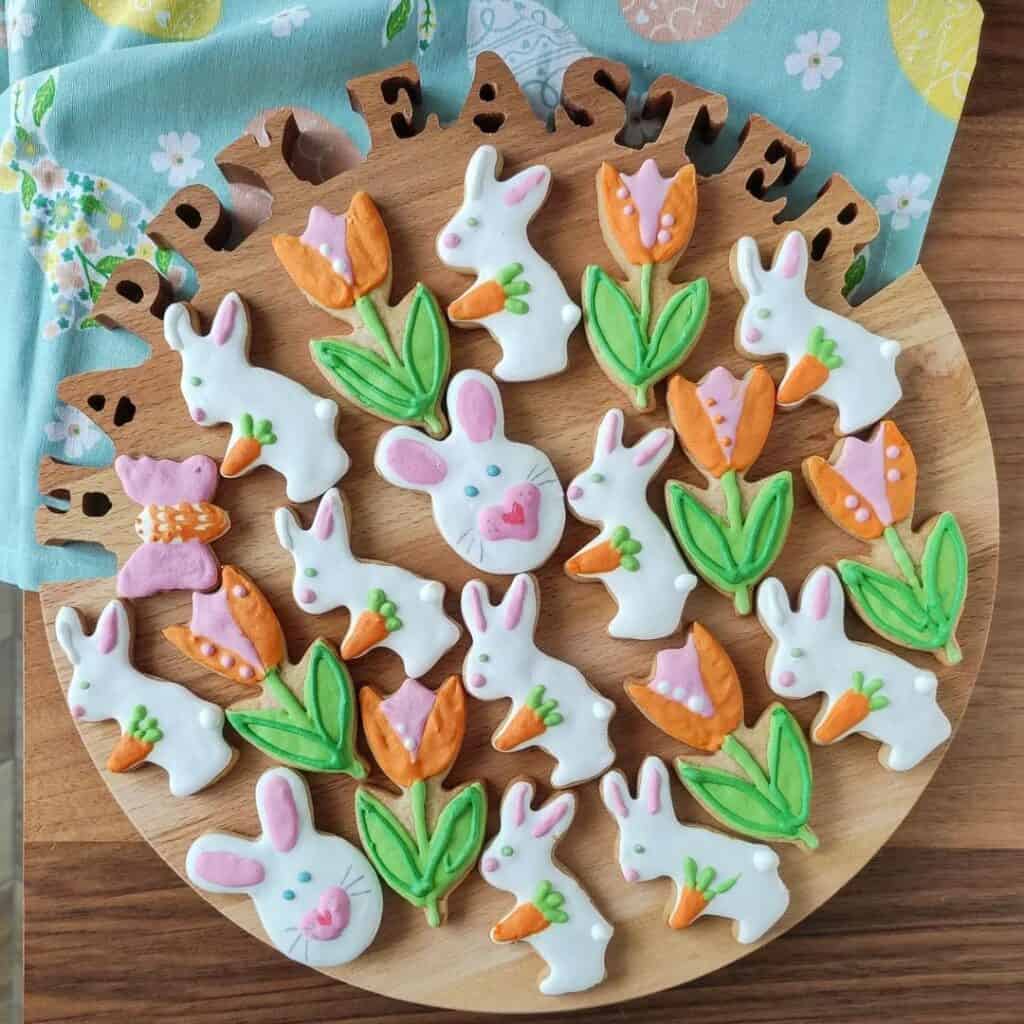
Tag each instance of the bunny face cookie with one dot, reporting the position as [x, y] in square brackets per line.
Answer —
[867, 690]
[317, 897]
[517, 296]
[829, 356]
[497, 503]
[553, 912]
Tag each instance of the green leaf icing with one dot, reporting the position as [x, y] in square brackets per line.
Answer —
[549, 901]
[546, 710]
[144, 727]
[823, 349]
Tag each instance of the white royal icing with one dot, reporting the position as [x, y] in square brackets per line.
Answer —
[505, 662]
[105, 684]
[812, 654]
[518, 859]
[653, 844]
[488, 236]
[306, 451]
[612, 491]
[317, 897]
[778, 317]
[329, 576]
[498, 503]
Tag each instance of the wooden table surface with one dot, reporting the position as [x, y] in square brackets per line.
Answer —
[932, 929]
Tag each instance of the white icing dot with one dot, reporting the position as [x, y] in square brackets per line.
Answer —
[325, 250]
[599, 932]
[893, 475]
[667, 220]
[893, 451]
[765, 859]
[662, 686]
[623, 192]
[408, 743]
[862, 515]
[664, 236]
[432, 591]
[338, 267]
[850, 501]
[239, 591]
[602, 709]
[226, 660]
[678, 694]
[696, 703]
[209, 718]
[924, 684]
[400, 728]
[628, 209]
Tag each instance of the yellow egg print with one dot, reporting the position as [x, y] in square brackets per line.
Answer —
[937, 45]
[171, 20]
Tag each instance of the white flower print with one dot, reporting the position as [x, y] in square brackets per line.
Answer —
[75, 429]
[813, 58]
[282, 23]
[19, 24]
[903, 200]
[176, 157]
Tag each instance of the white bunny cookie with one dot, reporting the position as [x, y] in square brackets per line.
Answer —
[867, 690]
[553, 913]
[161, 722]
[517, 296]
[497, 503]
[828, 356]
[275, 421]
[388, 606]
[317, 897]
[553, 706]
[634, 555]
[714, 874]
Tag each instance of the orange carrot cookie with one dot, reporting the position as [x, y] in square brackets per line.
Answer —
[553, 912]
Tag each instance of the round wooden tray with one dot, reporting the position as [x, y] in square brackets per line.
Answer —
[415, 176]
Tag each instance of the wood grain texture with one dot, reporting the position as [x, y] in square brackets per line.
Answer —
[953, 868]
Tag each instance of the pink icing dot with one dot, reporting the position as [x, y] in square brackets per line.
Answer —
[238, 590]
[630, 874]
[226, 660]
[862, 515]
[575, 491]
[623, 192]
[476, 681]
[893, 451]
[786, 678]
[893, 475]
[307, 596]
[664, 236]
[490, 864]
[78, 712]
[199, 415]
[667, 220]
[207, 649]
[753, 335]
[245, 672]
[628, 209]
[450, 240]
[850, 501]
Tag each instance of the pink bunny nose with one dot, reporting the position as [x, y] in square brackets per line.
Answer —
[786, 678]
[450, 240]
[329, 918]
[78, 712]
[753, 335]
[307, 596]
[490, 864]
[575, 491]
[199, 415]
[477, 681]
[630, 874]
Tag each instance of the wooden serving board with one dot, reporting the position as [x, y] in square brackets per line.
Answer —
[415, 173]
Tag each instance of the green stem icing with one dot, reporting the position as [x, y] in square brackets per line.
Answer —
[806, 836]
[285, 698]
[952, 651]
[904, 562]
[374, 324]
[418, 797]
[645, 298]
[734, 533]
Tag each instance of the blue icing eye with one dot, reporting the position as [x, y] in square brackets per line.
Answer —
[288, 894]
[471, 491]
[304, 876]
[494, 470]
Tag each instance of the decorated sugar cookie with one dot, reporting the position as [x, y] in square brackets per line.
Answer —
[161, 722]
[642, 329]
[395, 362]
[177, 524]
[274, 420]
[867, 488]
[828, 356]
[553, 912]
[517, 297]
[634, 555]
[424, 842]
[498, 503]
[387, 606]
[714, 874]
[733, 531]
[302, 715]
[693, 694]
[317, 897]
[866, 689]
[553, 705]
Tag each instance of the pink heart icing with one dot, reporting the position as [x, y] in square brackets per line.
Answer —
[329, 918]
[516, 518]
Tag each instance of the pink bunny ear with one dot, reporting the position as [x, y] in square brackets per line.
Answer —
[651, 447]
[553, 814]
[108, 628]
[793, 258]
[519, 187]
[652, 778]
[609, 436]
[615, 794]
[820, 594]
[819, 597]
[224, 321]
[323, 524]
[218, 867]
[475, 411]
[515, 601]
[473, 607]
[415, 463]
[278, 812]
[516, 803]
